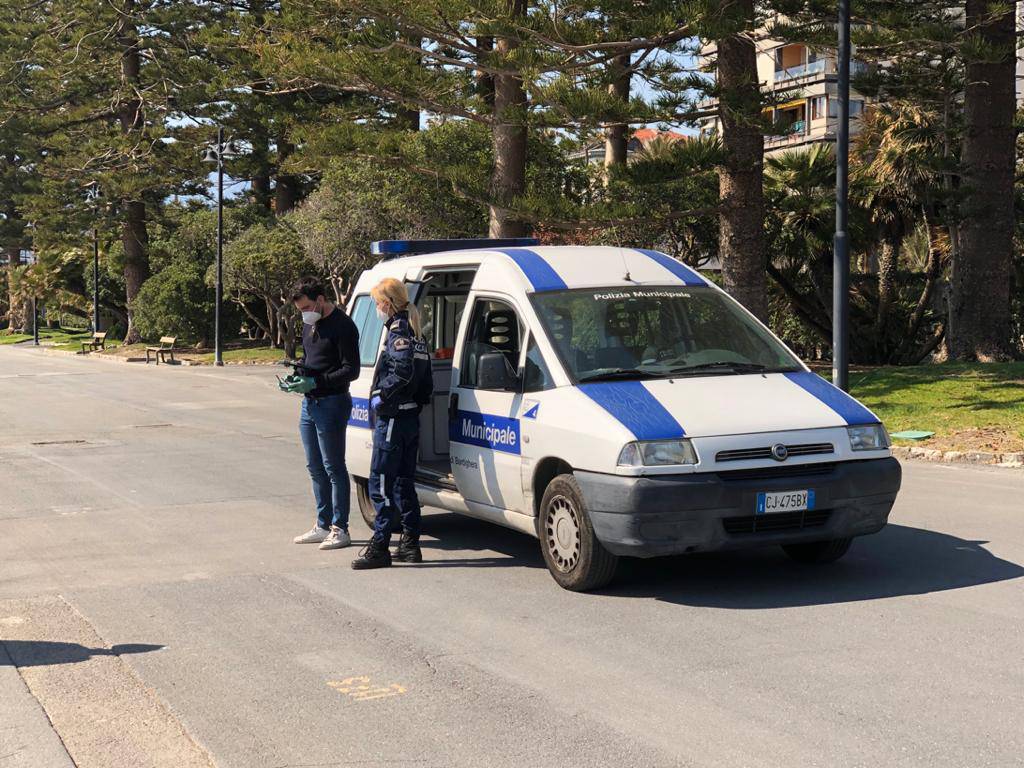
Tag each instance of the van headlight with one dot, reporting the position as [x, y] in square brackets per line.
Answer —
[657, 453]
[868, 437]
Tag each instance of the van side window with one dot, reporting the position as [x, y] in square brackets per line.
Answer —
[494, 327]
[536, 376]
[364, 315]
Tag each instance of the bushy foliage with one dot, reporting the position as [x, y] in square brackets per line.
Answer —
[177, 302]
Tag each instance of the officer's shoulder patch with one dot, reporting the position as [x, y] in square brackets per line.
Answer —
[401, 343]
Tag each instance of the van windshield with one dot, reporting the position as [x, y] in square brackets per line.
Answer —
[656, 332]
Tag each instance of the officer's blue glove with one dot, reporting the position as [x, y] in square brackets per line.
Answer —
[300, 384]
[374, 403]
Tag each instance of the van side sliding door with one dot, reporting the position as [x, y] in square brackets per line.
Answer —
[484, 405]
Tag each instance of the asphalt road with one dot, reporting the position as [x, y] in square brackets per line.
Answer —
[153, 611]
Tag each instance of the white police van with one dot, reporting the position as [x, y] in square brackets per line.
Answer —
[612, 402]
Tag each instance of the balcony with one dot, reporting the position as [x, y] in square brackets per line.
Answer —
[819, 67]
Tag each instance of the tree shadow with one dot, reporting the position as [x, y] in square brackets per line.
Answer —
[44, 653]
[899, 560]
[895, 562]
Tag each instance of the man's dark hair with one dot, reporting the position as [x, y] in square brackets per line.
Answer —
[310, 287]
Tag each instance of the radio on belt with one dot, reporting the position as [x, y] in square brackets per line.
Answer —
[612, 402]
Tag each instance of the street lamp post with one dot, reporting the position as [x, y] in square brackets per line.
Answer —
[841, 243]
[217, 155]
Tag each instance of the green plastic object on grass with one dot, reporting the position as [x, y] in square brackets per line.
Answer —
[911, 434]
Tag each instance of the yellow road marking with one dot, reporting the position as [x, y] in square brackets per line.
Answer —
[361, 689]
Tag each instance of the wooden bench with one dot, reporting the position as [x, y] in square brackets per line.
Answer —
[166, 348]
[98, 341]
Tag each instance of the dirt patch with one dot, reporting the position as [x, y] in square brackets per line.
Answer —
[988, 439]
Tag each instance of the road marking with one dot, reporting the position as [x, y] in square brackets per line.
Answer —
[361, 689]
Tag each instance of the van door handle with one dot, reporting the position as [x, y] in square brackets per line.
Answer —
[453, 406]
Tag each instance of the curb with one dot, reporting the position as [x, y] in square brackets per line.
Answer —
[1010, 460]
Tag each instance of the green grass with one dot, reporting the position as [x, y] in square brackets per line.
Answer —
[946, 398]
[58, 337]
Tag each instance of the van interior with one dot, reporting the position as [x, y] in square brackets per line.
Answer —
[441, 301]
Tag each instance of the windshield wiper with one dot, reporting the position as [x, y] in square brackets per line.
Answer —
[621, 373]
[729, 365]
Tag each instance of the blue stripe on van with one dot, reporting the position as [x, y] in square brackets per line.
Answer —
[840, 402]
[541, 275]
[677, 268]
[635, 408]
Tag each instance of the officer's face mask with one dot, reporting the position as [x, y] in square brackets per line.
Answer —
[311, 318]
[383, 315]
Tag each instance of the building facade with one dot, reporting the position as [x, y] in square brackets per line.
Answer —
[803, 84]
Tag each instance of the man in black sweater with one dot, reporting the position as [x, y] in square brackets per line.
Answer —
[330, 343]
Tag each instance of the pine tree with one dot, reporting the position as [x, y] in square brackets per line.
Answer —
[516, 67]
[106, 82]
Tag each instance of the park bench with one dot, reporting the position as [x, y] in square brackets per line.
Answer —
[165, 348]
[98, 341]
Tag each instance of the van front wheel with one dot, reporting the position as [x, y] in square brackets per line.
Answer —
[574, 556]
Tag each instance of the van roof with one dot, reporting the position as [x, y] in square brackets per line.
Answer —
[550, 267]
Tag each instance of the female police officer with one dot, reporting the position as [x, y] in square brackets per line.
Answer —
[402, 385]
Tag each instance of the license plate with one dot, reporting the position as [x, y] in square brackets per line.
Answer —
[784, 501]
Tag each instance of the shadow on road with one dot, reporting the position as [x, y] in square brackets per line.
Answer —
[900, 560]
[41, 653]
[458, 533]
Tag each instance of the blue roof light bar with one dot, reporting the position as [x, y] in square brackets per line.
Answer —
[394, 249]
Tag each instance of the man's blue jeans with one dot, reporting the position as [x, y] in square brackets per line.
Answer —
[322, 427]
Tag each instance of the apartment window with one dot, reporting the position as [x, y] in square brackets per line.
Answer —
[856, 107]
[818, 107]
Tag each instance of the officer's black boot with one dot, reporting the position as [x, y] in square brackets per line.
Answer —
[408, 549]
[374, 555]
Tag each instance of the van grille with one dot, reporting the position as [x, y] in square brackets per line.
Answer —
[782, 470]
[749, 454]
[781, 521]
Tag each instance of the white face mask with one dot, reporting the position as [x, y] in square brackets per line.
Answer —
[311, 318]
[382, 315]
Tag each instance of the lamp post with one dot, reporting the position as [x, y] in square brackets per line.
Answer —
[217, 154]
[841, 243]
[93, 195]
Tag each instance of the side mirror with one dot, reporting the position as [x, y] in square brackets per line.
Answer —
[494, 372]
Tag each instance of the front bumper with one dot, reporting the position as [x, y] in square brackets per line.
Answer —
[672, 514]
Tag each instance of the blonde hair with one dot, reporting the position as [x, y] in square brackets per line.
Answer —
[395, 293]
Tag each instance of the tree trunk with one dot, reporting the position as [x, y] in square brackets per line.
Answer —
[408, 118]
[485, 80]
[286, 191]
[616, 135]
[15, 315]
[980, 311]
[508, 177]
[741, 246]
[888, 264]
[135, 236]
[136, 267]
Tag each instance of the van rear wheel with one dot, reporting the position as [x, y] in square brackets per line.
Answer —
[363, 500]
[818, 551]
[366, 508]
[572, 553]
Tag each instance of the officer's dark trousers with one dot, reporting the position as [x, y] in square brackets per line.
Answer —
[392, 467]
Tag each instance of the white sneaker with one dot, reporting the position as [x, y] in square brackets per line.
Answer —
[337, 539]
[314, 536]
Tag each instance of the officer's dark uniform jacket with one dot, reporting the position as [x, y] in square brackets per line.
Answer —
[403, 382]
[402, 379]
